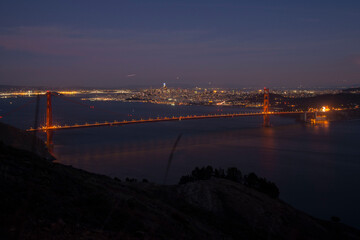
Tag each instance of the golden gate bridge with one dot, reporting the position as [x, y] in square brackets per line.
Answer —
[50, 127]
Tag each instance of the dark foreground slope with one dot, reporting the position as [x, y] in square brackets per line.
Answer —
[21, 139]
[45, 200]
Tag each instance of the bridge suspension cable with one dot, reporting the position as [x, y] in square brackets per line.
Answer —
[85, 105]
[18, 108]
[49, 127]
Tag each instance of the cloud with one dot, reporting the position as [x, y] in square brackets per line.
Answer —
[110, 44]
[74, 42]
[351, 60]
[356, 60]
[131, 75]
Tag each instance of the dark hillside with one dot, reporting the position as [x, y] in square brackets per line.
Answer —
[20, 139]
[45, 200]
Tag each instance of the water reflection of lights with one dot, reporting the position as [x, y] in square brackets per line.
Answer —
[321, 126]
[268, 156]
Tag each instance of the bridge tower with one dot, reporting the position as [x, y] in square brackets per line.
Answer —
[266, 108]
[49, 133]
[48, 109]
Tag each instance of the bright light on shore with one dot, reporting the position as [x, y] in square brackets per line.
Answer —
[325, 109]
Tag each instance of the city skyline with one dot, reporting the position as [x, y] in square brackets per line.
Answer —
[127, 43]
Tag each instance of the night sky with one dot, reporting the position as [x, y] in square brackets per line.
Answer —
[184, 43]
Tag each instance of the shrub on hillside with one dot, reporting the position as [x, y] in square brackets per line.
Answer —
[233, 174]
[262, 185]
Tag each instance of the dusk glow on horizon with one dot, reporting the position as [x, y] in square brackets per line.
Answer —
[188, 43]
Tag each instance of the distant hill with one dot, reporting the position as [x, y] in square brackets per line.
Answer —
[334, 100]
[15, 87]
[357, 89]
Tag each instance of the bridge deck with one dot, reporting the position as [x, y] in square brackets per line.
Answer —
[189, 117]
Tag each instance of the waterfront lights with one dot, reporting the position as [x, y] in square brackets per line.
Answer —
[324, 109]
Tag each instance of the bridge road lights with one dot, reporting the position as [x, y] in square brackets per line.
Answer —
[266, 108]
